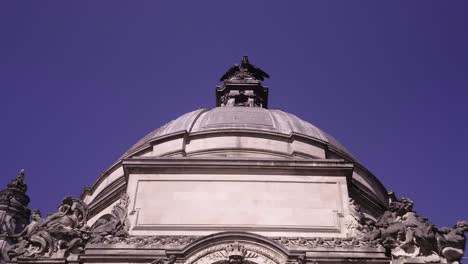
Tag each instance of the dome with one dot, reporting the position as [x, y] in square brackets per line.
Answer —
[261, 121]
[278, 174]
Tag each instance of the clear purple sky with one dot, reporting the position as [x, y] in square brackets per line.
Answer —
[82, 81]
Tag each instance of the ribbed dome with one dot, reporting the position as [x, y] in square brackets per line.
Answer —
[252, 119]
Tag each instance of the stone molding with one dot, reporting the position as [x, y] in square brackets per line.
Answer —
[148, 240]
[314, 243]
[330, 167]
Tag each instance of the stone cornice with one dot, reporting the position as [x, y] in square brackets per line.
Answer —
[261, 166]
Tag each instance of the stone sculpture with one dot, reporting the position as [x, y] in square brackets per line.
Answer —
[24, 236]
[406, 235]
[14, 213]
[18, 183]
[452, 242]
[59, 235]
[113, 224]
[245, 70]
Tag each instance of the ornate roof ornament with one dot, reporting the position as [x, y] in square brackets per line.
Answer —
[244, 70]
[18, 183]
[14, 211]
[242, 86]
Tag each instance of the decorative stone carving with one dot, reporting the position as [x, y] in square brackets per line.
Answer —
[18, 183]
[148, 240]
[354, 221]
[452, 242]
[406, 235]
[113, 224]
[236, 253]
[24, 236]
[242, 86]
[245, 70]
[170, 260]
[58, 236]
[301, 242]
[14, 213]
[403, 233]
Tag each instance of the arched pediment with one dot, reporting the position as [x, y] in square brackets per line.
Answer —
[235, 248]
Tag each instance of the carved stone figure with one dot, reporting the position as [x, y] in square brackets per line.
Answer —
[59, 235]
[245, 70]
[113, 224]
[390, 230]
[407, 235]
[452, 242]
[23, 238]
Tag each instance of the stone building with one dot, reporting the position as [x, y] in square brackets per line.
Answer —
[238, 183]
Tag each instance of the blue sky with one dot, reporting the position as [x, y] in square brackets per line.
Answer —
[81, 82]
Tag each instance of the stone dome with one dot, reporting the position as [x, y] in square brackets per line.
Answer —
[249, 120]
[279, 174]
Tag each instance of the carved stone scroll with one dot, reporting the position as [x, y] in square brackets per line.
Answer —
[114, 224]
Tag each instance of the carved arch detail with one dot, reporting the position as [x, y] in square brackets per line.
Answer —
[235, 248]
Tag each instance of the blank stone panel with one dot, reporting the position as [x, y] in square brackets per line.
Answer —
[255, 203]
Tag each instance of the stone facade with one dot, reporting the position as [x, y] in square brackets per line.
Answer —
[235, 184]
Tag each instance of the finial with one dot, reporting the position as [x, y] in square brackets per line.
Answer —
[244, 71]
[18, 183]
[21, 174]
